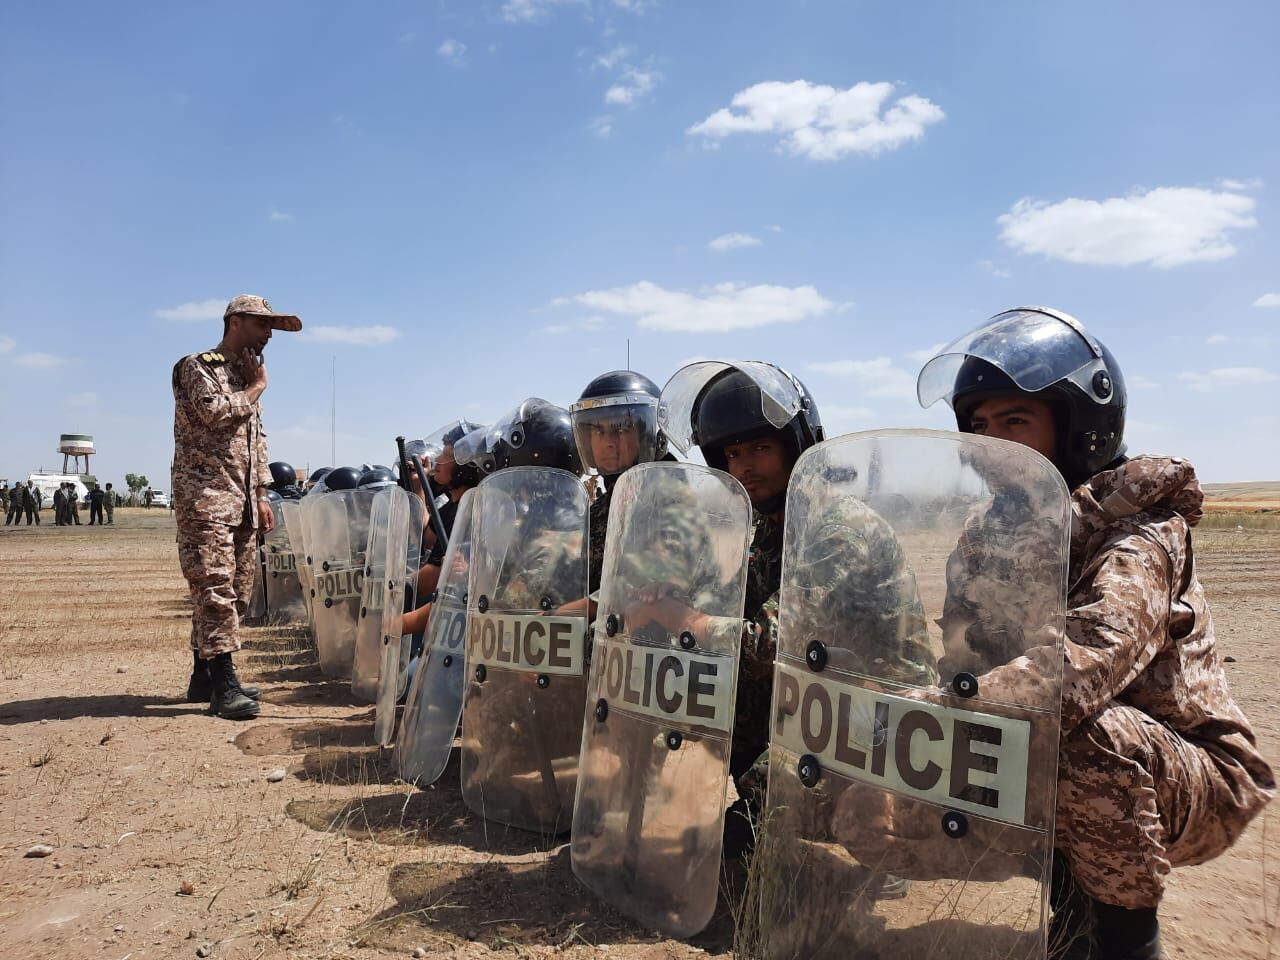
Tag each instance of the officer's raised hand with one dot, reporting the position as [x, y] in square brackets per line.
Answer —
[255, 371]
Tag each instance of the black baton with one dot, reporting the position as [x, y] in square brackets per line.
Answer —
[431, 504]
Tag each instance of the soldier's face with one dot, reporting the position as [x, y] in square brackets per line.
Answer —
[1017, 417]
[615, 446]
[442, 472]
[249, 330]
[762, 466]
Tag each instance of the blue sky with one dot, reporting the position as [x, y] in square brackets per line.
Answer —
[472, 203]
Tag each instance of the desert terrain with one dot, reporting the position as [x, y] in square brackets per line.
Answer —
[175, 834]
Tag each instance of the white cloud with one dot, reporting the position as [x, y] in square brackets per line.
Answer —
[1268, 300]
[1226, 183]
[838, 420]
[995, 271]
[1218, 338]
[194, 310]
[528, 11]
[406, 38]
[876, 378]
[585, 325]
[1227, 377]
[452, 51]
[616, 56]
[1138, 382]
[278, 216]
[631, 86]
[358, 336]
[601, 127]
[7, 344]
[734, 241]
[39, 361]
[822, 122]
[82, 400]
[773, 228]
[719, 309]
[1165, 227]
[921, 357]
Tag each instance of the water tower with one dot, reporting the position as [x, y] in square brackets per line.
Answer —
[75, 447]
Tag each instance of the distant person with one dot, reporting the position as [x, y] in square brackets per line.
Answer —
[110, 502]
[31, 503]
[15, 505]
[96, 496]
[60, 505]
[146, 498]
[219, 492]
[73, 502]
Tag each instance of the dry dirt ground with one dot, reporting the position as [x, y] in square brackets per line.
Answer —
[169, 841]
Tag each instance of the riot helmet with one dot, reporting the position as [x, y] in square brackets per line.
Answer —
[342, 478]
[282, 475]
[274, 495]
[535, 434]
[615, 423]
[714, 404]
[1046, 353]
[377, 476]
[472, 450]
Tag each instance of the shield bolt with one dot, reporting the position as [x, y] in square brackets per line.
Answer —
[815, 655]
[954, 825]
[483, 603]
[480, 673]
[809, 770]
[543, 681]
[686, 640]
[368, 571]
[328, 601]
[313, 591]
[447, 661]
[364, 612]
[602, 710]
[612, 624]
[275, 573]
[965, 685]
[465, 594]
[325, 566]
[545, 603]
[308, 559]
[674, 739]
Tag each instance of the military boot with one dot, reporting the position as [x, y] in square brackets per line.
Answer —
[200, 687]
[1071, 927]
[229, 701]
[1126, 934]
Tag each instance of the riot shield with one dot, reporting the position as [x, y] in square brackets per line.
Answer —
[286, 602]
[390, 585]
[916, 700]
[525, 654]
[295, 526]
[255, 613]
[337, 532]
[649, 817]
[434, 705]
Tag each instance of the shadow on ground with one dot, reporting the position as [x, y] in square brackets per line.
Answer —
[276, 739]
[121, 705]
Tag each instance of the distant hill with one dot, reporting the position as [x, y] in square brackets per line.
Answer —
[1262, 495]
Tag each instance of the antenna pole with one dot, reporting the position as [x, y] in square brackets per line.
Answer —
[333, 411]
[628, 353]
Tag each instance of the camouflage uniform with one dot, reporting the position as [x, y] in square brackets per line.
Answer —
[597, 530]
[219, 458]
[1159, 766]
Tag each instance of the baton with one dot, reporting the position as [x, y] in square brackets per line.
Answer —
[431, 504]
[404, 466]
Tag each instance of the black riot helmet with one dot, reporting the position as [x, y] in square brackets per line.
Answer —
[377, 476]
[274, 495]
[615, 423]
[714, 404]
[1040, 352]
[317, 475]
[282, 475]
[535, 434]
[343, 478]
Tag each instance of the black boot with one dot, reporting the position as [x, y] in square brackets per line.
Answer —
[200, 687]
[1071, 927]
[229, 701]
[1126, 934]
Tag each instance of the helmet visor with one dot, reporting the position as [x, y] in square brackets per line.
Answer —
[1032, 348]
[615, 433]
[779, 398]
[472, 448]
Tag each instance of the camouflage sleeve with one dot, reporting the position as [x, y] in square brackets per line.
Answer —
[206, 397]
[1116, 625]
[263, 472]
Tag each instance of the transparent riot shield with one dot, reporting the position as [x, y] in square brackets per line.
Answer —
[434, 705]
[337, 530]
[390, 587]
[286, 602]
[256, 609]
[916, 700]
[649, 817]
[526, 653]
[295, 526]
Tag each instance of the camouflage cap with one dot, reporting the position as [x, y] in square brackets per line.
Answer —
[249, 305]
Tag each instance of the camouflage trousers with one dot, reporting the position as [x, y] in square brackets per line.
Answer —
[1135, 800]
[220, 563]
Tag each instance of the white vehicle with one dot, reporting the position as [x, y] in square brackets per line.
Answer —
[48, 484]
[159, 498]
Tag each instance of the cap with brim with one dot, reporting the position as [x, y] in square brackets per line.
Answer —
[248, 305]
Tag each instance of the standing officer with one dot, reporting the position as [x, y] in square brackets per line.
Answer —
[96, 497]
[60, 505]
[15, 505]
[31, 503]
[110, 502]
[220, 481]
